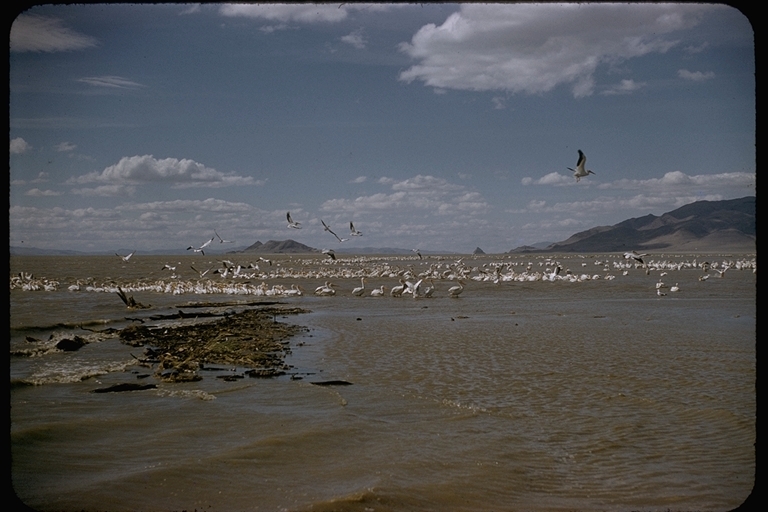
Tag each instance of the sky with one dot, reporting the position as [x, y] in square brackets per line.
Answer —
[442, 127]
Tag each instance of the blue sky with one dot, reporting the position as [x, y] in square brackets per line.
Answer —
[441, 127]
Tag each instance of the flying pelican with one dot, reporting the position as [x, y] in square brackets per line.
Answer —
[221, 240]
[357, 292]
[291, 224]
[126, 258]
[202, 247]
[331, 232]
[456, 290]
[330, 253]
[580, 171]
[168, 267]
[353, 231]
[417, 252]
[632, 255]
[202, 274]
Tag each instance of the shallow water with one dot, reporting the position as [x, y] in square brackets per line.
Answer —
[519, 395]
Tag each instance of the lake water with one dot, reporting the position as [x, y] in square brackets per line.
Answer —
[522, 394]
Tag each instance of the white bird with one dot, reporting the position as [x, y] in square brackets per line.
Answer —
[221, 240]
[675, 288]
[632, 255]
[291, 224]
[660, 293]
[325, 226]
[417, 252]
[202, 247]
[454, 291]
[330, 253]
[430, 289]
[353, 231]
[326, 289]
[202, 274]
[397, 291]
[580, 171]
[168, 267]
[357, 292]
[377, 292]
[126, 258]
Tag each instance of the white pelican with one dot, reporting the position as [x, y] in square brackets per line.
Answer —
[353, 231]
[325, 226]
[330, 253]
[580, 171]
[221, 240]
[168, 267]
[202, 247]
[417, 252]
[430, 289]
[125, 258]
[675, 288]
[397, 291]
[660, 293]
[357, 292]
[377, 292]
[454, 291]
[326, 289]
[202, 274]
[291, 224]
[632, 255]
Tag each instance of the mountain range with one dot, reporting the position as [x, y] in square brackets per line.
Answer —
[727, 225]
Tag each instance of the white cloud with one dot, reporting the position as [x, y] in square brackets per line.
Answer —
[696, 76]
[355, 39]
[19, 146]
[116, 82]
[624, 87]
[65, 146]
[420, 193]
[36, 192]
[360, 179]
[117, 190]
[533, 48]
[299, 13]
[179, 173]
[675, 180]
[32, 33]
[552, 178]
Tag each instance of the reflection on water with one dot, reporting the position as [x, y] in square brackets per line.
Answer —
[525, 394]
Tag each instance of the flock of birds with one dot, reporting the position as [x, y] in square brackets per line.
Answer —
[414, 278]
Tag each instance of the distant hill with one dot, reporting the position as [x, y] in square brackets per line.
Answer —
[279, 247]
[701, 226]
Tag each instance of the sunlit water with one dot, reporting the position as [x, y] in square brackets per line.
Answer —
[520, 395]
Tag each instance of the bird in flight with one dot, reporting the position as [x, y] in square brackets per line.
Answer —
[330, 253]
[202, 247]
[126, 258]
[580, 171]
[325, 226]
[353, 231]
[418, 253]
[221, 240]
[634, 256]
[291, 223]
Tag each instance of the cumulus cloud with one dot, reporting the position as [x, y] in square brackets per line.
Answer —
[425, 193]
[696, 76]
[36, 192]
[360, 179]
[116, 82]
[32, 33]
[355, 39]
[553, 178]
[117, 190]
[182, 173]
[19, 146]
[676, 179]
[533, 48]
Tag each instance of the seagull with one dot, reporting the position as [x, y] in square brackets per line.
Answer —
[331, 232]
[221, 240]
[200, 249]
[354, 232]
[291, 224]
[126, 258]
[580, 171]
[330, 253]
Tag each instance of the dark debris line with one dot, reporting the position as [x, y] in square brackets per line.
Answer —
[252, 338]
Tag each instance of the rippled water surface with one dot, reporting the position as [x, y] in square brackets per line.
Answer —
[589, 394]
